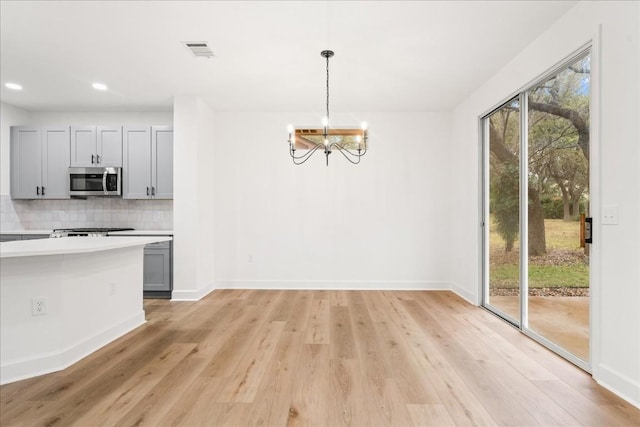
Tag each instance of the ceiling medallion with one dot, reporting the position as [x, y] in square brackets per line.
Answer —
[351, 143]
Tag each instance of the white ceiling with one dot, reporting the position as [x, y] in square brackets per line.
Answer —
[390, 55]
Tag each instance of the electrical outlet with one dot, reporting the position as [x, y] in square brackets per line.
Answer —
[38, 306]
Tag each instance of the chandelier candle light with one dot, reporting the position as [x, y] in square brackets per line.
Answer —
[351, 143]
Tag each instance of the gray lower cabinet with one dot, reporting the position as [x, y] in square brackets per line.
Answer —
[39, 162]
[157, 281]
[34, 236]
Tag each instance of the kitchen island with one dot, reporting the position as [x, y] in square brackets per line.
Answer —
[62, 299]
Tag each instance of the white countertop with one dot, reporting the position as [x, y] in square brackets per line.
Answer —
[142, 233]
[72, 245]
[112, 233]
[14, 232]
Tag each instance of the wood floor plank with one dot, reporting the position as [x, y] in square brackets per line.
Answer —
[401, 365]
[100, 363]
[309, 403]
[233, 343]
[583, 409]
[317, 358]
[338, 298]
[341, 343]
[430, 415]
[243, 384]
[507, 350]
[274, 396]
[482, 385]
[197, 404]
[298, 318]
[318, 330]
[80, 393]
[273, 401]
[344, 393]
[108, 411]
[157, 406]
[461, 403]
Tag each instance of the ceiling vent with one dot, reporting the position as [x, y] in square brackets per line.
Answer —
[199, 49]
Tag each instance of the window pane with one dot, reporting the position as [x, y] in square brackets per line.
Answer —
[558, 278]
[504, 209]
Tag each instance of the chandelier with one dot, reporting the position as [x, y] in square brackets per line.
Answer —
[351, 143]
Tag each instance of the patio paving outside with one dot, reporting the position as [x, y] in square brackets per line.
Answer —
[560, 319]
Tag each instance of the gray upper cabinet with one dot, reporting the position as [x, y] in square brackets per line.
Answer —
[26, 162]
[93, 146]
[83, 146]
[55, 163]
[136, 162]
[39, 162]
[162, 162]
[109, 146]
[147, 162]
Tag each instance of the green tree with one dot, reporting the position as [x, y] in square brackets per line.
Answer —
[558, 129]
[505, 192]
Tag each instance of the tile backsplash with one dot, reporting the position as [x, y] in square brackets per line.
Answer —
[92, 212]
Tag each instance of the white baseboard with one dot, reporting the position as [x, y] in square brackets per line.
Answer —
[470, 297]
[620, 385]
[55, 361]
[192, 295]
[333, 285]
[350, 285]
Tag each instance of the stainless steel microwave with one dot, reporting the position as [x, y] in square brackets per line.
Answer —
[95, 182]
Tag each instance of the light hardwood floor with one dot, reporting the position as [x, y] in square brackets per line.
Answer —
[326, 358]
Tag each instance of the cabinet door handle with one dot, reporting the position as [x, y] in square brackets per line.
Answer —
[37, 190]
[43, 191]
[153, 191]
[98, 158]
[147, 191]
[92, 156]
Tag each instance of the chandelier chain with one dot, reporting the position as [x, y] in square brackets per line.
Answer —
[327, 88]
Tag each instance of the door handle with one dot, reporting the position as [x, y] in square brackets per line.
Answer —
[92, 156]
[153, 191]
[37, 190]
[147, 191]
[588, 230]
[43, 191]
[98, 158]
[104, 181]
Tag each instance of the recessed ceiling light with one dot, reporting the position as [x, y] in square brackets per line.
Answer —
[14, 86]
[99, 86]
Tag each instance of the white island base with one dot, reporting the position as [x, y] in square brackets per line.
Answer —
[92, 293]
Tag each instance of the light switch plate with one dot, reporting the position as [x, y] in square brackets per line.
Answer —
[610, 214]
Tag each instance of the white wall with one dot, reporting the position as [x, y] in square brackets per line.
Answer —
[615, 289]
[193, 173]
[42, 118]
[382, 224]
[9, 116]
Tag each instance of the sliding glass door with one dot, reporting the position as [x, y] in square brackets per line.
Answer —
[536, 201]
[502, 134]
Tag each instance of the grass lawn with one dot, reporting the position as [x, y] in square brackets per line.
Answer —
[541, 276]
[563, 266]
